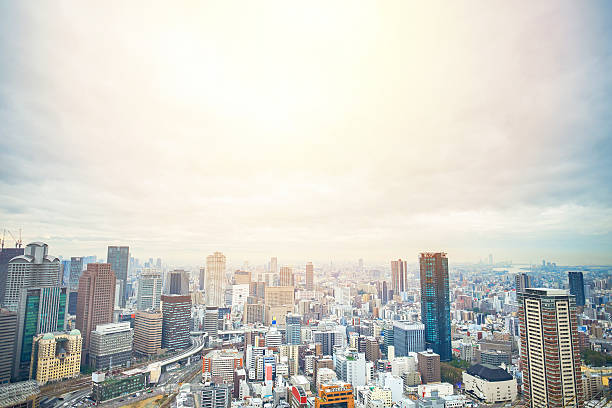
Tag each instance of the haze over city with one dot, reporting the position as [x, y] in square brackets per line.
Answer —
[309, 131]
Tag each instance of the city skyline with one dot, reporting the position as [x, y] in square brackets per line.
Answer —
[333, 132]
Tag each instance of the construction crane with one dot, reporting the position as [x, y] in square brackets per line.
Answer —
[18, 242]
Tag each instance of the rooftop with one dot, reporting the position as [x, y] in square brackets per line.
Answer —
[489, 372]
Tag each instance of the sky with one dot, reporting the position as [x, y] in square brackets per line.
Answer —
[309, 131]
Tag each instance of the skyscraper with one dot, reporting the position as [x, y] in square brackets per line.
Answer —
[273, 265]
[309, 276]
[293, 323]
[119, 259]
[215, 279]
[176, 312]
[522, 281]
[148, 332]
[6, 254]
[76, 269]
[32, 269]
[178, 282]
[549, 348]
[202, 278]
[8, 329]
[435, 303]
[399, 276]
[149, 290]
[286, 276]
[41, 310]
[576, 286]
[407, 337]
[96, 300]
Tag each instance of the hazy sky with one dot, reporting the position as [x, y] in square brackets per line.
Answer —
[309, 130]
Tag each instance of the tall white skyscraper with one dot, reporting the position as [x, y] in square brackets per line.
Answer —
[149, 289]
[273, 265]
[215, 279]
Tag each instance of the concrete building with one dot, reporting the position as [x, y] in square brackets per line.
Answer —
[351, 368]
[23, 394]
[104, 388]
[56, 356]
[96, 301]
[273, 265]
[372, 349]
[176, 312]
[221, 365]
[202, 279]
[8, 331]
[335, 395]
[408, 337]
[522, 281]
[277, 314]
[148, 332]
[119, 259]
[240, 295]
[6, 254]
[549, 348]
[490, 384]
[293, 323]
[215, 279]
[178, 282]
[149, 290]
[309, 276]
[279, 296]
[325, 376]
[41, 310]
[576, 287]
[399, 276]
[216, 396]
[254, 313]
[435, 303]
[242, 277]
[35, 268]
[429, 366]
[111, 345]
[286, 276]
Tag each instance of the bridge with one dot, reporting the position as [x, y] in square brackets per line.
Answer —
[155, 368]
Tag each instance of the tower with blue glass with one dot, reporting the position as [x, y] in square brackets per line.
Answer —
[435, 303]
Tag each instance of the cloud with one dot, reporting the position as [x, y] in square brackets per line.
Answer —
[314, 133]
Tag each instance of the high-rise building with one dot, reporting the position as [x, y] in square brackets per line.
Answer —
[96, 300]
[8, 330]
[279, 296]
[522, 281]
[351, 367]
[407, 337]
[215, 279]
[435, 303]
[6, 254]
[273, 265]
[41, 310]
[221, 364]
[399, 276]
[32, 269]
[286, 276]
[178, 282]
[429, 366]
[119, 259]
[56, 356]
[148, 332]
[76, 269]
[293, 323]
[111, 345]
[176, 311]
[327, 340]
[576, 287]
[242, 277]
[550, 356]
[309, 276]
[202, 278]
[211, 321]
[149, 290]
[372, 349]
[254, 313]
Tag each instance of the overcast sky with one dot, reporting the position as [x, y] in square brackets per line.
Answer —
[309, 130]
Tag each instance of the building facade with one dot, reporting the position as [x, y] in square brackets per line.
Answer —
[279, 296]
[550, 355]
[435, 303]
[407, 337]
[309, 276]
[576, 287]
[148, 332]
[286, 276]
[119, 259]
[399, 276]
[176, 312]
[522, 281]
[215, 279]
[490, 384]
[149, 290]
[178, 282]
[6, 254]
[8, 331]
[429, 366]
[293, 323]
[111, 345]
[56, 356]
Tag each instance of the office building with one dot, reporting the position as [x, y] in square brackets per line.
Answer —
[435, 303]
[149, 290]
[148, 332]
[372, 349]
[273, 265]
[399, 276]
[104, 388]
[178, 282]
[240, 295]
[327, 340]
[522, 281]
[429, 366]
[216, 396]
[490, 384]
[407, 337]
[254, 313]
[242, 277]
[309, 276]
[35, 268]
[293, 323]
[351, 367]
[23, 394]
[76, 269]
[550, 355]
[215, 279]
[6, 254]
[176, 311]
[111, 345]
[119, 259]
[279, 296]
[576, 287]
[96, 300]
[8, 331]
[221, 364]
[41, 310]
[286, 276]
[335, 395]
[56, 356]
[211, 321]
[202, 278]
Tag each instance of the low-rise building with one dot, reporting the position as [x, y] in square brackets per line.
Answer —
[56, 356]
[104, 388]
[23, 394]
[111, 345]
[489, 383]
[221, 365]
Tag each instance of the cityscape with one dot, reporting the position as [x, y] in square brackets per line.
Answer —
[327, 204]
